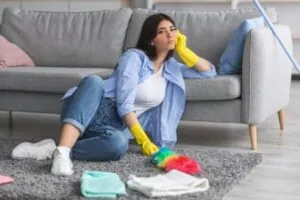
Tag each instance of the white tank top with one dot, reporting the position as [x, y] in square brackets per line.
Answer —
[151, 92]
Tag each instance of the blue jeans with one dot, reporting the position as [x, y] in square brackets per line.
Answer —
[102, 136]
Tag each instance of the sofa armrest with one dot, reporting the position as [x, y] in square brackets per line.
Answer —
[266, 74]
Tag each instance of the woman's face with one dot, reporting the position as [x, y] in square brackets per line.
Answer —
[165, 39]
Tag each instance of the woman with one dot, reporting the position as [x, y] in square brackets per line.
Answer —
[144, 98]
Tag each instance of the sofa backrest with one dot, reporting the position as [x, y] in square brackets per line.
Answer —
[207, 31]
[68, 39]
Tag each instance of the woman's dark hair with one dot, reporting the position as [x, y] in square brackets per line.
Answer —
[149, 32]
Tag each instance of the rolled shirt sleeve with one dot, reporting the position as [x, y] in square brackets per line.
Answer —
[192, 73]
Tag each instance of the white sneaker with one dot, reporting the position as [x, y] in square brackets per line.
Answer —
[62, 164]
[40, 151]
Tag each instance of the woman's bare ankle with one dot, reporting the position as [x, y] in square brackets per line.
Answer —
[69, 135]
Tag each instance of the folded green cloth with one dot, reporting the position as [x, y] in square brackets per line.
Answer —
[101, 184]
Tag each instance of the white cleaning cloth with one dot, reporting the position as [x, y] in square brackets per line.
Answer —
[172, 183]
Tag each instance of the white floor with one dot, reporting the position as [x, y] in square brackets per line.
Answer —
[276, 178]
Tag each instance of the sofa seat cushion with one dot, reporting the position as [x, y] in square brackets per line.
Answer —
[45, 79]
[218, 88]
[58, 80]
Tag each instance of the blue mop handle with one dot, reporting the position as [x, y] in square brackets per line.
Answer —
[261, 10]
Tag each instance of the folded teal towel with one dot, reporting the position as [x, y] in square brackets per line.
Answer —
[101, 184]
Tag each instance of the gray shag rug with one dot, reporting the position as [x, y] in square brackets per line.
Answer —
[33, 179]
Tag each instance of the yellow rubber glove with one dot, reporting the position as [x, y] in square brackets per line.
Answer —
[148, 148]
[186, 55]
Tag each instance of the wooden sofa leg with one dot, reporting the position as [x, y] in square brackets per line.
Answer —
[11, 125]
[253, 136]
[281, 119]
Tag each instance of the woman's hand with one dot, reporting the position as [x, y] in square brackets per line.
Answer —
[186, 55]
[148, 148]
[141, 138]
[180, 41]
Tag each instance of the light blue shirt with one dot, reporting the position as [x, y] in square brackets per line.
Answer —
[160, 122]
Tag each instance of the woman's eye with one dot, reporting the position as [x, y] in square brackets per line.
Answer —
[173, 29]
[160, 32]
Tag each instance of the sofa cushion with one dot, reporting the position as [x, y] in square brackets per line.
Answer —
[67, 39]
[231, 59]
[207, 31]
[45, 79]
[219, 88]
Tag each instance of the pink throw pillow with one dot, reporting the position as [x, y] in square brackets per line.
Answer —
[11, 55]
[5, 179]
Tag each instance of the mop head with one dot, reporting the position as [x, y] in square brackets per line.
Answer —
[167, 159]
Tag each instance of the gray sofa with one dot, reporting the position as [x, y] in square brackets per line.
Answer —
[69, 46]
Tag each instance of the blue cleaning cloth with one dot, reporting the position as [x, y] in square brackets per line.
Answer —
[101, 184]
